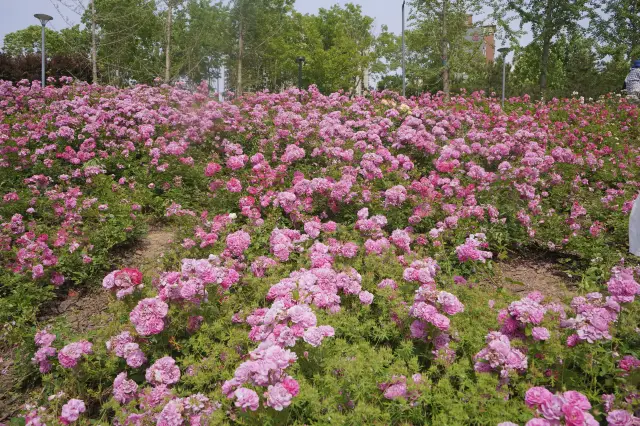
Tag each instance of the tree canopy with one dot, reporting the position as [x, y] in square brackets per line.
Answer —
[257, 42]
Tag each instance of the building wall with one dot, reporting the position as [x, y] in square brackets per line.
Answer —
[488, 42]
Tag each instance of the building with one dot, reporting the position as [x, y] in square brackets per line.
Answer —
[484, 35]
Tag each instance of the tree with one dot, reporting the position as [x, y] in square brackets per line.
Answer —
[172, 6]
[387, 50]
[573, 67]
[167, 47]
[131, 40]
[439, 55]
[579, 61]
[240, 11]
[339, 46]
[526, 70]
[268, 35]
[66, 41]
[390, 82]
[186, 39]
[266, 38]
[78, 7]
[616, 24]
[548, 19]
[200, 38]
[94, 46]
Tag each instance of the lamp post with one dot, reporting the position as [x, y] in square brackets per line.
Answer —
[404, 76]
[504, 51]
[43, 20]
[300, 60]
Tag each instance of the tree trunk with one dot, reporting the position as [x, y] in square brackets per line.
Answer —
[167, 65]
[546, 47]
[240, 51]
[445, 51]
[94, 59]
[635, 36]
[544, 64]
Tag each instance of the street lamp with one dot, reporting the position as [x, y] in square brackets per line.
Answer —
[300, 60]
[504, 51]
[43, 20]
[404, 76]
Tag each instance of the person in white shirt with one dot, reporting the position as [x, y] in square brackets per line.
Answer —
[632, 82]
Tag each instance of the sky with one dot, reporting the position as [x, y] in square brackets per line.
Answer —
[18, 14]
[385, 12]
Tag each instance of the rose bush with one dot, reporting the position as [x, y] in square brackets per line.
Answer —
[326, 249]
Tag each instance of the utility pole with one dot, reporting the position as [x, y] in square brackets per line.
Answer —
[218, 84]
[547, 35]
[504, 79]
[445, 51]
[167, 66]
[504, 51]
[43, 21]
[300, 60]
[240, 49]
[365, 80]
[404, 71]
[224, 84]
[94, 60]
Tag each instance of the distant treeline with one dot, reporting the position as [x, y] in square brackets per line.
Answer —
[28, 66]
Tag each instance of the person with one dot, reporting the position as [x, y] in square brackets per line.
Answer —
[632, 82]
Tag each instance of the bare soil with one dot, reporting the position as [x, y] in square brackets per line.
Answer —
[147, 254]
[83, 310]
[524, 275]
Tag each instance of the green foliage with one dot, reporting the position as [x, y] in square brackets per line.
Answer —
[68, 41]
[199, 39]
[388, 53]
[571, 68]
[425, 40]
[271, 37]
[20, 301]
[616, 24]
[340, 47]
[20, 297]
[548, 19]
[130, 40]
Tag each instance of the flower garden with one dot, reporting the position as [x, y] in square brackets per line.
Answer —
[332, 258]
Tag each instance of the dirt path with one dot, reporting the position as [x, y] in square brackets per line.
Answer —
[147, 254]
[521, 276]
[83, 310]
